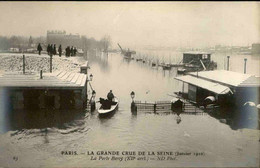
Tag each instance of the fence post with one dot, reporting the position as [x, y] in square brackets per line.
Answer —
[133, 107]
[23, 64]
[228, 62]
[245, 66]
[51, 63]
[41, 74]
[154, 107]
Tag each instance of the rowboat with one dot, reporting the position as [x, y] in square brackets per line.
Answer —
[166, 67]
[102, 111]
[127, 57]
[181, 71]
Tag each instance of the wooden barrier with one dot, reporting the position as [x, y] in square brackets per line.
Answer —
[166, 107]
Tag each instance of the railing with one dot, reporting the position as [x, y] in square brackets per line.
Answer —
[166, 107]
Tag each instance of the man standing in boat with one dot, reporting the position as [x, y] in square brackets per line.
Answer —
[110, 96]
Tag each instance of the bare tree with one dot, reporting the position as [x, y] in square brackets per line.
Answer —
[105, 42]
[30, 42]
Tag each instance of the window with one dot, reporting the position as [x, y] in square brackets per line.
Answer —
[204, 56]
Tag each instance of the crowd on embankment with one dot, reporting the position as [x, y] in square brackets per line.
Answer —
[51, 50]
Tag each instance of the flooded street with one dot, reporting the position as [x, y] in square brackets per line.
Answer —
[43, 136]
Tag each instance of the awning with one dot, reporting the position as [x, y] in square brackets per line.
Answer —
[210, 86]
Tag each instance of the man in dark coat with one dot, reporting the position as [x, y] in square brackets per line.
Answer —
[51, 49]
[48, 49]
[110, 96]
[54, 50]
[74, 51]
[67, 51]
[71, 51]
[60, 50]
[39, 48]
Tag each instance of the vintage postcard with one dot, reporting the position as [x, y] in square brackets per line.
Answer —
[129, 84]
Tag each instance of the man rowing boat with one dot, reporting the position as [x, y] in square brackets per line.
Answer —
[107, 103]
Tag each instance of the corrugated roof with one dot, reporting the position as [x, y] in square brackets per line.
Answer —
[223, 77]
[211, 86]
[61, 80]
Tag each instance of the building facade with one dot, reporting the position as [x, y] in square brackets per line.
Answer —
[61, 38]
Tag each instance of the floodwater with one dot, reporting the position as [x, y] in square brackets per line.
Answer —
[31, 139]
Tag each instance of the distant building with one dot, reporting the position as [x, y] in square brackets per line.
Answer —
[60, 37]
[256, 48]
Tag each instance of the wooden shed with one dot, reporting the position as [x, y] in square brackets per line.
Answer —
[226, 86]
[59, 90]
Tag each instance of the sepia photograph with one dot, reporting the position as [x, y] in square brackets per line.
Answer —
[129, 84]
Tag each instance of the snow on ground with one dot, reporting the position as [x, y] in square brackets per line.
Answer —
[12, 62]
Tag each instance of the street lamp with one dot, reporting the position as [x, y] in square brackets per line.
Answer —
[93, 94]
[132, 95]
[90, 77]
[133, 106]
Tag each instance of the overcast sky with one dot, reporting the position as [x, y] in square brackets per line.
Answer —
[138, 23]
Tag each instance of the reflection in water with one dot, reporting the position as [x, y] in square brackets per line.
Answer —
[238, 118]
[41, 119]
[99, 59]
[178, 119]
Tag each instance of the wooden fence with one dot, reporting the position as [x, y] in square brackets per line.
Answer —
[166, 107]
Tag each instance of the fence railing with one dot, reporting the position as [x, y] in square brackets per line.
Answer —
[166, 107]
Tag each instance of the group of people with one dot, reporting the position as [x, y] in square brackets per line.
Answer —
[70, 51]
[51, 49]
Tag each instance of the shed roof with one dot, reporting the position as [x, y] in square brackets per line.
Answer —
[211, 86]
[58, 80]
[196, 52]
[251, 81]
[224, 77]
